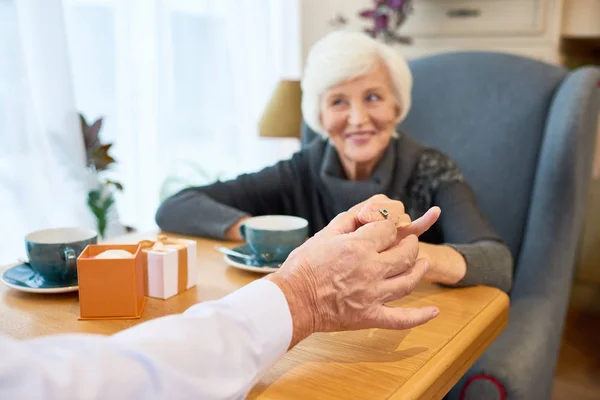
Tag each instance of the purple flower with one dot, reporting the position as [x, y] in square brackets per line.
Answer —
[381, 23]
[395, 4]
[368, 13]
[387, 16]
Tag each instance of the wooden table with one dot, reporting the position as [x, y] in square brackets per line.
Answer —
[420, 363]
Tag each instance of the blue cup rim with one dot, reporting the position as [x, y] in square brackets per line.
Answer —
[72, 235]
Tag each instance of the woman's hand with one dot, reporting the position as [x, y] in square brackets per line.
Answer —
[233, 233]
[381, 207]
[446, 265]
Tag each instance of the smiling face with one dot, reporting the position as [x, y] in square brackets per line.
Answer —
[360, 116]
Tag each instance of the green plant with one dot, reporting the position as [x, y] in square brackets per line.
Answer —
[100, 203]
[100, 199]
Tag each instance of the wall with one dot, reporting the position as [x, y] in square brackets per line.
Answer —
[586, 286]
[535, 26]
[317, 14]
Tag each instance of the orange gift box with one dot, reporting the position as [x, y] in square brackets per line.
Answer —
[169, 266]
[111, 288]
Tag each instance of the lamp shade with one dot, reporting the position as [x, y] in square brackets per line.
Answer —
[283, 114]
[581, 19]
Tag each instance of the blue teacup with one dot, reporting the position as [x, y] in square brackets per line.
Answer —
[273, 237]
[53, 252]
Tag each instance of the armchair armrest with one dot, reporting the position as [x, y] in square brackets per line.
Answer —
[524, 356]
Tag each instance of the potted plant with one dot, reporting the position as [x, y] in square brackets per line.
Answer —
[386, 18]
[101, 197]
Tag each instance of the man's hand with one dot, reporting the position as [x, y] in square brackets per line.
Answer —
[341, 279]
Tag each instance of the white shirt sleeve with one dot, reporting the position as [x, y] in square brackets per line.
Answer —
[214, 350]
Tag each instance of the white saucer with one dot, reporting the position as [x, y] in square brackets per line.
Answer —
[260, 270]
[239, 263]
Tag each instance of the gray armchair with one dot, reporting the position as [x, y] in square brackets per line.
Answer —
[523, 133]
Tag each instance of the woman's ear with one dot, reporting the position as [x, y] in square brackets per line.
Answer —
[398, 111]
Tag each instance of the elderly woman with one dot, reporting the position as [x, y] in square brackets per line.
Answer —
[355, 92]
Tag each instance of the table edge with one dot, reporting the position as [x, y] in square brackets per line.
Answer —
[441, 372]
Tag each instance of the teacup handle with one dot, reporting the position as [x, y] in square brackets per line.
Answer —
[70, 257]
[243, 231]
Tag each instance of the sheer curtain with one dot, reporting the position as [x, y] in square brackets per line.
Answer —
[181, 85]
[42, 175]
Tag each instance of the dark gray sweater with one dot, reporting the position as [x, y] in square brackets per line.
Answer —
[313, 185]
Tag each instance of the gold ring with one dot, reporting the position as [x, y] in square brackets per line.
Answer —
[384, 212]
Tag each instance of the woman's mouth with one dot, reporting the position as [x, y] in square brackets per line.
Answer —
[359, 137]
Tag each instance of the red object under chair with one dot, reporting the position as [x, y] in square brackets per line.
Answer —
[478, 377]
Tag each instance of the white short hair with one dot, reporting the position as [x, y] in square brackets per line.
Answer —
[345, 55]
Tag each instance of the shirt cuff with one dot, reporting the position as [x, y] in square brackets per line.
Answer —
[265, 307]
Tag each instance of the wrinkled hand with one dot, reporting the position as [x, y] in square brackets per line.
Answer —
[341, 279]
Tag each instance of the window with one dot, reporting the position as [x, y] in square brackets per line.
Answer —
[180, 84]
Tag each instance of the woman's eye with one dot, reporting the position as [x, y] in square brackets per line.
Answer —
[337, 102]
[373, 97]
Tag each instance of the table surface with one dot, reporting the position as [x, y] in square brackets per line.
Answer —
[419, 363]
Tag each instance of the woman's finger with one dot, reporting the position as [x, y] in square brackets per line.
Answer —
[367, 216]
[422, 224]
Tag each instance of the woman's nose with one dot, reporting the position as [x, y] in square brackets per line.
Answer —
[358, 115]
